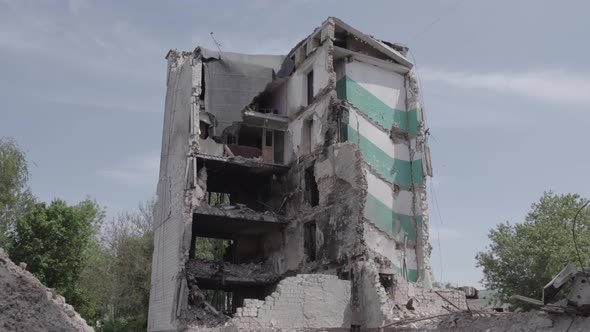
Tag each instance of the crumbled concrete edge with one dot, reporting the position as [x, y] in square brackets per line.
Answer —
[69, 317]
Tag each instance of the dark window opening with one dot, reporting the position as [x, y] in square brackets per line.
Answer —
[241, 187]
[249, 142]
[386, 281]
[203, 130]
[312, 194]
[279, 146]
[250, 136]
[343, 273]
[340, 39]
[268, 138]
[355, 328]
[266, 102]
[310, 88]
[309, 240]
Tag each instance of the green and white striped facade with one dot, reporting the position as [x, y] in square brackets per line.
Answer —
[394, 168]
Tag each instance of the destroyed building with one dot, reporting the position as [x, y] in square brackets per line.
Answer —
[317, 164]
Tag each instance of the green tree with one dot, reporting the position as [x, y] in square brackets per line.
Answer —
[96, 283]
[522, 258]
[128, 242]
[55, 242]
[14, 194]
[132, 240]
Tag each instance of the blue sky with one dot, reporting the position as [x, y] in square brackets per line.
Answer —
[506, 87]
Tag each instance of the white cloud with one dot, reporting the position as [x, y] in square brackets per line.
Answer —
[140, 170]
[555, 86]
[443, 233]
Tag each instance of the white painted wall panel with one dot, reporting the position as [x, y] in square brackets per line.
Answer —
[380, 138]
[386, 85]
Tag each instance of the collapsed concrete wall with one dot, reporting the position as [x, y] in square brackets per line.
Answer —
[27, 305]
[335, 217]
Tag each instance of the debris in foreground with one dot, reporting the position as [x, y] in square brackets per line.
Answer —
[27, 305]
[577, 301]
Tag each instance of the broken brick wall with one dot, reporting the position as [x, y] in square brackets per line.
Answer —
[305, 301]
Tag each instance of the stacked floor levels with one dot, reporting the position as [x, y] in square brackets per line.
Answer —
[292, 189]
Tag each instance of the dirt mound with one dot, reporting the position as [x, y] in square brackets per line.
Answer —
[27, 305]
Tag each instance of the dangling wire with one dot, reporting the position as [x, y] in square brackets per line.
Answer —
[216, 44]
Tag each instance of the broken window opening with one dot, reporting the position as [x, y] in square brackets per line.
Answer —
[217, 199]
[202, 95]
[386, 281]
[265, 103]
[310, 88]
[312, 194]
[220, 299]
[340, 38]
[268, 140]
[250, 136]
[249, 142]
[241, 190]
[309, 240]
[203, 130]
[210, 249]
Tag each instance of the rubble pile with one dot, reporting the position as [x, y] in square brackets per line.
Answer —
[27, 305]
[201, 312]
[467, 321]
[522, 322]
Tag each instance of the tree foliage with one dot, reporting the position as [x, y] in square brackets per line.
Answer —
[54, 241]
[129, 239]
[116, 279]
[14, 194]
[522, 258]
[102, 269]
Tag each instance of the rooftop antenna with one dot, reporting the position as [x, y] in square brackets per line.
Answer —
[216, 44]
